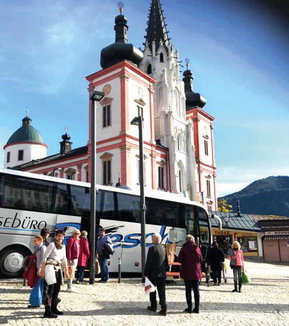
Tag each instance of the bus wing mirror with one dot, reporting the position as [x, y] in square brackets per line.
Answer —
[219, 220]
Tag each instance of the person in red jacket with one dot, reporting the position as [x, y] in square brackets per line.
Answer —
[72, 254]
[190, 257]
[83, 256]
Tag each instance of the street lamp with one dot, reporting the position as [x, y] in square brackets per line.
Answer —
[138, 121]
[94, 97]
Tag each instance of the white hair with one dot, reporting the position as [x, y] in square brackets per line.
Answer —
[158, 236]
[190, 238]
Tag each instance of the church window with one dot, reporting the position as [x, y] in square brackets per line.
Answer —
[161, 183]
[161, 57]
[179, 142]
[180, 180]
[8, 157]
[106, 116]
[149, 69]
[181, 175]
[106, 173]
[206, 147]
[208, 184]
[20, 155]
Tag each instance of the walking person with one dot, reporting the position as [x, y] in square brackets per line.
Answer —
[83, 256]
[36, 294]
[54, 258]
[72, 254]
[190, 257]
[216, 260]
[155, 271]
[103, 247]
[236, 257]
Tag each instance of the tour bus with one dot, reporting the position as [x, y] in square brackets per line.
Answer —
[30, 202]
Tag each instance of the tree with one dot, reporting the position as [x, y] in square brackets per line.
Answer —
[223, 206]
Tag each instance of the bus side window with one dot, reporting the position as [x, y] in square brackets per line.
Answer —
[161, 212]
[128, 208]
[63, 203]
[28, 194]
[108, 210]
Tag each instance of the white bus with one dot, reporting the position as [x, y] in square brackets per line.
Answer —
[29, 202]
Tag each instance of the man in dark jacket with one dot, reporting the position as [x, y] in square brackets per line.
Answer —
[155, 270]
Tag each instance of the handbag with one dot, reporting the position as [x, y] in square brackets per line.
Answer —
[36, 294]
[245, 277]
[97, 267]
[148, 286]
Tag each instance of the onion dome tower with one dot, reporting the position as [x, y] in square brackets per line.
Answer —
[65, 144]
[192, 99]
[120, 50]
[24, 145]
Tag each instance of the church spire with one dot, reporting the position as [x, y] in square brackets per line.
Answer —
[157, 28]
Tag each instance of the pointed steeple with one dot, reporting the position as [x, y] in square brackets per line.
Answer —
[157, 28]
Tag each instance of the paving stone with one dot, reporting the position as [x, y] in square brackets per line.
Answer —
[263, 302]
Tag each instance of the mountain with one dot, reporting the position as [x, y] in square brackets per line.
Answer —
[269, 196]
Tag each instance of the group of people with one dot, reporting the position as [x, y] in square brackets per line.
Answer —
[54, 257]
[51, 259]
[191, 259]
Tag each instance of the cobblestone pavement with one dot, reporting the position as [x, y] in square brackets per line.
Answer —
[264, 301]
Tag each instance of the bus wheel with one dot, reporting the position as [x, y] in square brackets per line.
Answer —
[11, 261]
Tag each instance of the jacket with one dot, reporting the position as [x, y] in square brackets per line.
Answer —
[155, 266]
[84, 252]
[236, 257]
[190, 257]
[216, 257]
[72, 248]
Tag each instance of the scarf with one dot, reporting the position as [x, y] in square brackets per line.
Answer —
[58, 245]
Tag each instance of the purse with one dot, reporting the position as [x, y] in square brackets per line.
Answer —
[245, 277]
[97, 267]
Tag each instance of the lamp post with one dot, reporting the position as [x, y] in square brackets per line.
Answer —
[94, 97]
[138, 121]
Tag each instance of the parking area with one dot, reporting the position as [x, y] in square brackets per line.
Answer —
[264, 301]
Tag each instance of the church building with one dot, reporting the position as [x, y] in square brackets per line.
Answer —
[178, 133]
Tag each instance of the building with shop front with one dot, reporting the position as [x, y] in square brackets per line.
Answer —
[178, 134]
[276, 237]
[239, 227]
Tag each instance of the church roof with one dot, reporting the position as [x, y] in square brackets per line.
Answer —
[120, 50]
[157, 28]
[25, 134]
[53, 158]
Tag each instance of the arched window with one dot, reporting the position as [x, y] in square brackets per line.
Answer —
[161, 57]
[179, 142]
[181, 175]
[149, 69]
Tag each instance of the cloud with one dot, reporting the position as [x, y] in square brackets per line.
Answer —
[52, 43]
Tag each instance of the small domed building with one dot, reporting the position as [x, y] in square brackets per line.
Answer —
[26, 144]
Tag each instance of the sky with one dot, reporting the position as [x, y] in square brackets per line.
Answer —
[238, 52]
